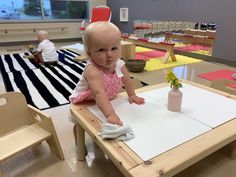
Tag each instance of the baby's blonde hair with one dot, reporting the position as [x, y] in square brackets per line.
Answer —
[43, 35]
[96, 26]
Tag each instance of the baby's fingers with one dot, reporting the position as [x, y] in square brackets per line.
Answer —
[137, 100]
[140, 101]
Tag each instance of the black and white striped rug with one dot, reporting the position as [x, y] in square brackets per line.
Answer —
[43, 86]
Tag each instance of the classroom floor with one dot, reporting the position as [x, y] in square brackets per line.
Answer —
[39, 162]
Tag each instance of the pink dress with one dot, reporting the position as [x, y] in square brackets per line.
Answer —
[112, 84]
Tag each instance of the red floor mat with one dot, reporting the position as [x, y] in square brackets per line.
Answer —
[190, 48]
[149, 54]
[220, 74]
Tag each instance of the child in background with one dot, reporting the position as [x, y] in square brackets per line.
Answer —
[46, 52]
[105, 71]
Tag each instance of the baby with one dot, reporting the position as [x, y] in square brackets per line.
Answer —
[105, 72]
[46, 52]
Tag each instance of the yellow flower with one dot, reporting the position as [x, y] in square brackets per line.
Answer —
[173, 80]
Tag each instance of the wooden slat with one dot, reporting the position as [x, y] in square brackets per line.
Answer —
[31, 29]
[21, 139]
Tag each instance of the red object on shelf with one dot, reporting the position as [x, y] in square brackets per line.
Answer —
[143, 39]
[210, 37]
[168, 33]
[167, 43]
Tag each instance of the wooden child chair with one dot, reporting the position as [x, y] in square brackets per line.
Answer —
[23, 126]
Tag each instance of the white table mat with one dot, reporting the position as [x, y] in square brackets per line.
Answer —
[205, 106]
[158, 130]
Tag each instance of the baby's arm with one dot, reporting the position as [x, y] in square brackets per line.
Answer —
[94, 79]
[129, 88]
[35, 55]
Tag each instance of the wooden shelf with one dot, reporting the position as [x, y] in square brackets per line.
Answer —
[31, 29]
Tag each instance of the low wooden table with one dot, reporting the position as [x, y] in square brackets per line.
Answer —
[166, 46]
[166, 164]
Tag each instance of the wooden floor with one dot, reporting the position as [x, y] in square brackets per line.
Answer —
[38, 162]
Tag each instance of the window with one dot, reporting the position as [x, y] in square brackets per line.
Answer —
[37, 10]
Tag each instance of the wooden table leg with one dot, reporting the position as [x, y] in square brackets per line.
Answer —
[169, 53]
[172, 55]
[233, 150]
[80, 142]
[1, 172]
[165, 57]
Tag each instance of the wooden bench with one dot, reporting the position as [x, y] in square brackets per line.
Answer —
[168, 47]
[23, 126]
[192, 39]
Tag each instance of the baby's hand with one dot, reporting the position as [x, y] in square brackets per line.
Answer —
[114, 119]
[136, 99]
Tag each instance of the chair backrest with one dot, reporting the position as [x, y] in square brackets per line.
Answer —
[100, 13]
[225, 85]
[14, 112]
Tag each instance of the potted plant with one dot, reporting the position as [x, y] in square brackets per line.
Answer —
[175, 95]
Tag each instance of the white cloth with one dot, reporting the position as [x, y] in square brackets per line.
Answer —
[117, 132]
[48, 49]
[119, 64]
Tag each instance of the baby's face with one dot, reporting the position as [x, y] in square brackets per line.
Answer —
[104, 48]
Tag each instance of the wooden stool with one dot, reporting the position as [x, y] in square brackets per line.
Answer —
[127, 50]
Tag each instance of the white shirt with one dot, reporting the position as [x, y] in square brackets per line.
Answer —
[49, 52]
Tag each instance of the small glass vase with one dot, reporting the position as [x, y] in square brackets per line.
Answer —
[174, 100]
